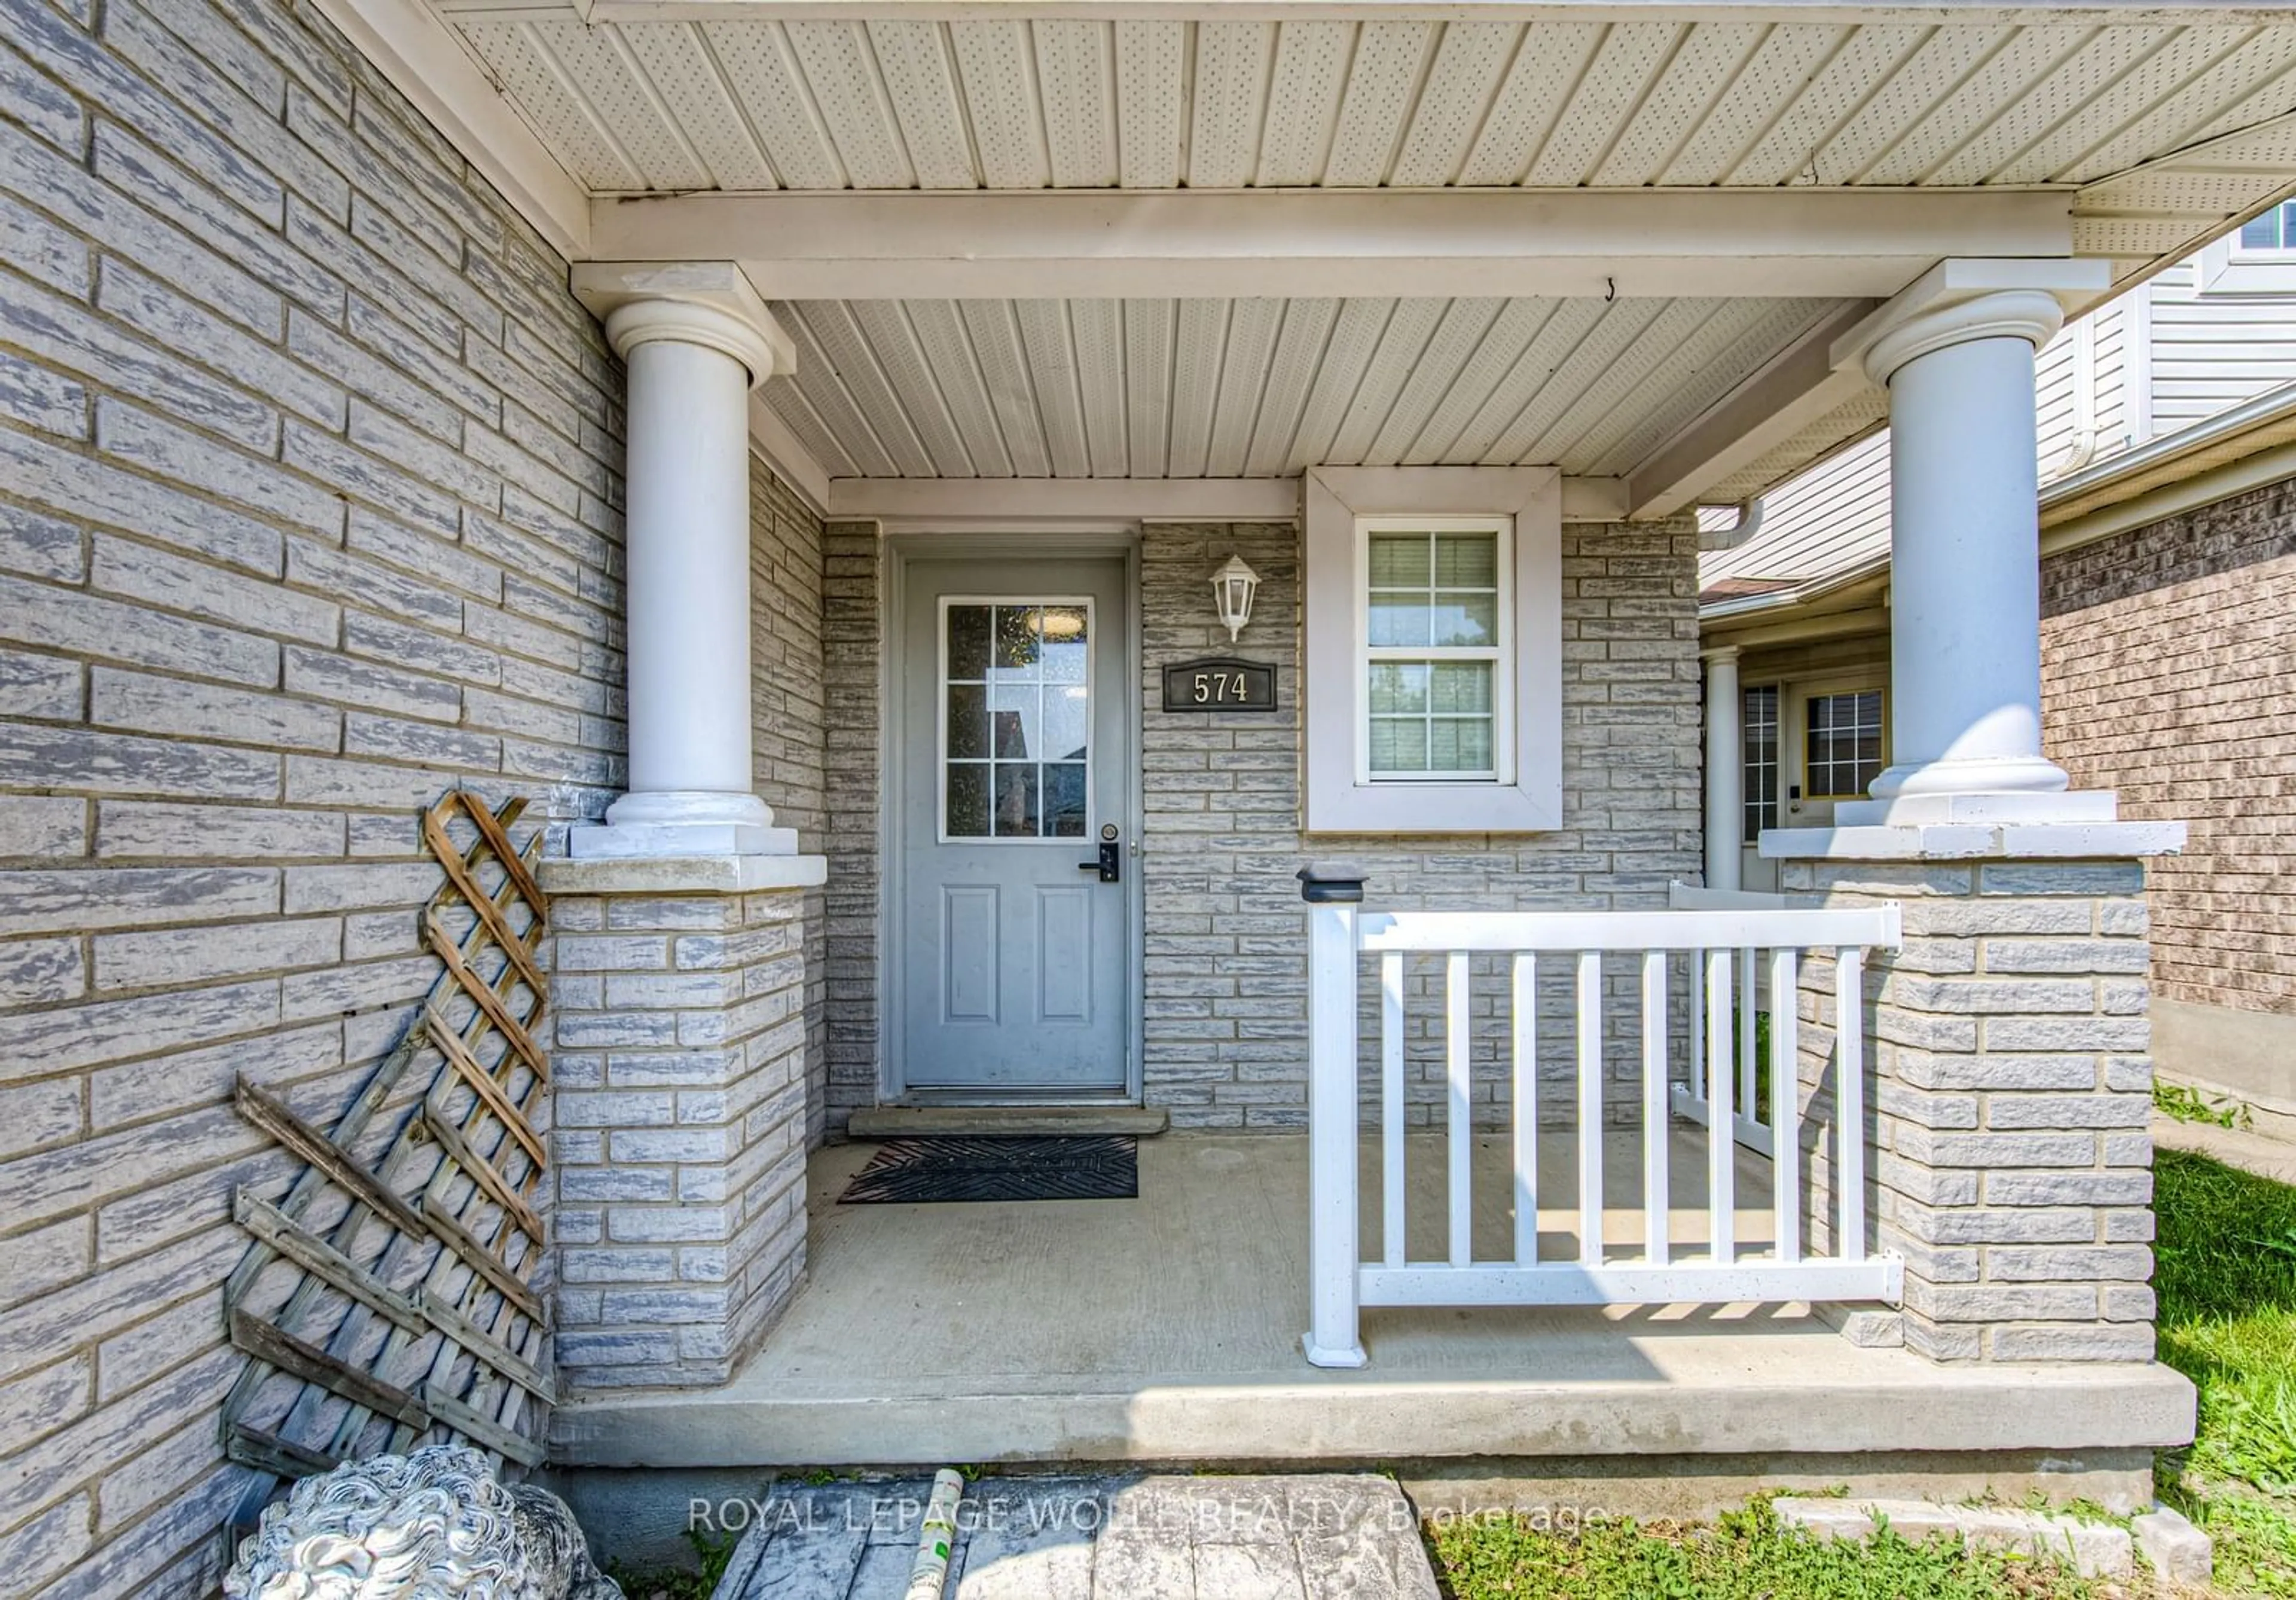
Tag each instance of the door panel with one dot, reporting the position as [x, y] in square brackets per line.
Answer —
[1013, 733]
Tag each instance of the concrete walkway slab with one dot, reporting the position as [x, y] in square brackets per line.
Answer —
[2248, 1149]
[1165, 1331]
[1102, 1538]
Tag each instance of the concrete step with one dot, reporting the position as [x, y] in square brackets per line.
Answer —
[922, 1121]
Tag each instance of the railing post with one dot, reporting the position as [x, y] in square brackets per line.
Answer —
[1332, 890]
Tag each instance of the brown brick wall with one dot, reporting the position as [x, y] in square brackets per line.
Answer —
[2164, 653]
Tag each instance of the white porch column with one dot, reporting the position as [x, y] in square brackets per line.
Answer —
[1965, 629]
[696, 341]
[1726, 769]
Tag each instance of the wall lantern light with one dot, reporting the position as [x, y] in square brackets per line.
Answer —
[1231, 590]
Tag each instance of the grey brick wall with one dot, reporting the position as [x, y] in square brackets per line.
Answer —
[681, 1099]
[2008, 1161]
[788, 711]
[1227, 971]
[1225, 977]
[309, 509]
[852, 555]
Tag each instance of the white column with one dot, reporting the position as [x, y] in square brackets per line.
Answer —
[1726, 769]
[1334, 1248]
[691, 365]
[1964, 624]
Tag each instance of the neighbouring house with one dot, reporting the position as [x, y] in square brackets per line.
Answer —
[2167, 448]
[818, 456]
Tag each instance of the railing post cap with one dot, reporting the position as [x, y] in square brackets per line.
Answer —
[1331, 883]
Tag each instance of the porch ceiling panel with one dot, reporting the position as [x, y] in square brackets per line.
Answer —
[1260, 387]
[744, 99]
[2160, 124]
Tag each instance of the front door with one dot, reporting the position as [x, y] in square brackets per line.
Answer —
[1015, 766]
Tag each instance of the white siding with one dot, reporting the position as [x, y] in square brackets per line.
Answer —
[1833, 517]
[2213, 348]
[2189, 352]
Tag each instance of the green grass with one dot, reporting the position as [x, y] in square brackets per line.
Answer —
[1741, 1557]
[2187, 1105]
[711, 1551]
[2226, 1274]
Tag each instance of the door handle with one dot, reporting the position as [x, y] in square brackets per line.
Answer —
[1109, 864]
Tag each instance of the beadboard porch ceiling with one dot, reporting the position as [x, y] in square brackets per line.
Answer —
[2151, 128]
[1260, 387]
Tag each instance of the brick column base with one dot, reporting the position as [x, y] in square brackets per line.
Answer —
[2009, 1163]
[679, 1141]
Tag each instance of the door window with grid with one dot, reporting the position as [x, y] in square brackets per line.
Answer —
[1435, 651]
[1760, 744]
[1016, 707]
[1841, 753]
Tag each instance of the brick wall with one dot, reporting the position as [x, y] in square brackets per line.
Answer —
[309, 509]
[2165, 658]
[852, 555]
[2007, 1158]
[1225, 947]
[789, 712]
[680, 1101]
[1227, 971]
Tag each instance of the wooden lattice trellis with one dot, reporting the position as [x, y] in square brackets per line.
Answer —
[387, 1299]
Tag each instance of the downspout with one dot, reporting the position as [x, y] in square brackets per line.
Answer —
[1748, 523]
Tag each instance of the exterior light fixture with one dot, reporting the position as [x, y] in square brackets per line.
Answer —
[1233, 586]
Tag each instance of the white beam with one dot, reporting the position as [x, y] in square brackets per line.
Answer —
[985, 500]
[1823, 370]
[424, 62]
[781, 449]
[1092, 244]
[1799, 385]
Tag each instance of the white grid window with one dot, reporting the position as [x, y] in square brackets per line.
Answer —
[1016, 719]
[1761, 745]
[1435, 647]
[1841, 753]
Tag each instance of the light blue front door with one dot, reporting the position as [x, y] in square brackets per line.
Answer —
[1014, 739]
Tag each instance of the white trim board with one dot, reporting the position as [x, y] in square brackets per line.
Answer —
[773, 441]
[1004, 501]
[427, 63]
[2274, 464]
[1094, 243]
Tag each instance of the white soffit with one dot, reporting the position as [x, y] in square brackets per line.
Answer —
[2161, 124]
[636, 98]
[1258, 388]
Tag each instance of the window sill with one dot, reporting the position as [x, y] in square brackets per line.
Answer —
[1430, 808]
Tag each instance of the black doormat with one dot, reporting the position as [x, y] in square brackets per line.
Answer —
[1007, 1166]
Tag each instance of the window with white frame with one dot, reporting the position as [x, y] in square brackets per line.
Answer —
[1435, 650]
[2275, 230]
[1432, 671]
[2257, 257]
[1759, 745]
[1841, 754]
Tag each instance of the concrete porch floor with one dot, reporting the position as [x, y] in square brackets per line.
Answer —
[1167, 1329]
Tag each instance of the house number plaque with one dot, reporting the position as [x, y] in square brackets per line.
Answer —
[1221, 684]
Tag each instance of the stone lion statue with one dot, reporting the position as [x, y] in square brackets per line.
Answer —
[432, 1525]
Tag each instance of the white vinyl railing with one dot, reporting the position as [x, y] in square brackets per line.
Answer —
[1749, 1120]
[1725, 941]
